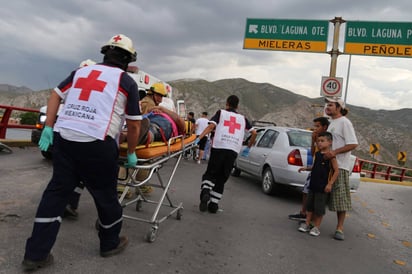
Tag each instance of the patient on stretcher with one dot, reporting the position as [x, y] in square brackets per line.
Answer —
[156, 129]
[159, 125]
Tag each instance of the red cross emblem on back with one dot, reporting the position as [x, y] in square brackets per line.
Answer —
[231, 123]
[89, 84]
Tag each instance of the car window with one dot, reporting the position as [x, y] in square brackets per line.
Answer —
[299, 138]
[268, 139]
[259, 132]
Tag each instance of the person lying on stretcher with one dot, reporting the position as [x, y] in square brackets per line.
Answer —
[159, 125]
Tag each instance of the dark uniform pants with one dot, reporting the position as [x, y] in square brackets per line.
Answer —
[218, 171]
[94, 164]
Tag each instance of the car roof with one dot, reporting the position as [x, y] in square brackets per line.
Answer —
[258, 123]
[283, 129]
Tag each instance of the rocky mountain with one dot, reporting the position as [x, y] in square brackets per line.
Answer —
[12, 90]
[22, 96]
[262, 101]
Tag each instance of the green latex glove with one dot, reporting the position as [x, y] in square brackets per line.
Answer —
[131, 160]
[46, 138]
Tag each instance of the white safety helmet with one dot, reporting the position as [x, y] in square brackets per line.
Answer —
[123, 42]
[86, 63]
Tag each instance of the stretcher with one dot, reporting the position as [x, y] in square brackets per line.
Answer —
[151, 159]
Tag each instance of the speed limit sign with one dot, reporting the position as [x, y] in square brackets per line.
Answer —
[331, 86]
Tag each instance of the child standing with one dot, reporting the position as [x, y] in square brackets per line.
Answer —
[323, 174]
[320, 124]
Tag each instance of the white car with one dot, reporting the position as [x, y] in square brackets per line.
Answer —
[355, 174]
[277, 155]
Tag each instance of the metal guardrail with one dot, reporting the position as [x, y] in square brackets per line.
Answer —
[388, 172]
[373, 170]
[4, 122]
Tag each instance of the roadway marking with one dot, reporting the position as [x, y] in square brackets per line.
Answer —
[399, 262]
[384, 224]
[406, 243]
[380, 181]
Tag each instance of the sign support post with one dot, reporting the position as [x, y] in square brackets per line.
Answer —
[347, 78]
[337, 21]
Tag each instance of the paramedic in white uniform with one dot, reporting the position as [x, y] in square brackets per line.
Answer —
[97, 99]
[229, 128]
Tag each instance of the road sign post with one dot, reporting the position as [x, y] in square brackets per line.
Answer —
[391, 39]
[286, 35]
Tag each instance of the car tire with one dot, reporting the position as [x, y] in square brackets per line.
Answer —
[236, 172]
[268, 182]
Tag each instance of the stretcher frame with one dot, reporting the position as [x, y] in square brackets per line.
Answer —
[153, 165]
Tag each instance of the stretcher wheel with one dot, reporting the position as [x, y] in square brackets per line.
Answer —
[179, 214]
[138, 205]
[151, 235]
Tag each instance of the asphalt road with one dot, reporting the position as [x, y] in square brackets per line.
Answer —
[251, 234]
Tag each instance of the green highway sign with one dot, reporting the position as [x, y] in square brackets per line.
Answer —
[393, 39]
[286, 34]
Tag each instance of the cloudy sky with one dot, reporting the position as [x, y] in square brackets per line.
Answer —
[42, 41]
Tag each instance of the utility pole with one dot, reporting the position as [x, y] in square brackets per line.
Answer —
[334, 53]
[347, 79]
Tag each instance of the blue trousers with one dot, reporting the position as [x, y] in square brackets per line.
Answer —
[94, 164]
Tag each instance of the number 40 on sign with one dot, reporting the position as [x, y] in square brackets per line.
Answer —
[331, 86]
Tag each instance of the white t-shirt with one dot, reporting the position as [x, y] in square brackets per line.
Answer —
[201, 124]
[343, 134]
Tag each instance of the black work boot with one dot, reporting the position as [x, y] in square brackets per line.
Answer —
[70, 213]
[212, 207]
[204, 199]
[124, 241]
[29, 265]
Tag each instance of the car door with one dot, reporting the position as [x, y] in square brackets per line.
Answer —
[259, 153]
[243, 163]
